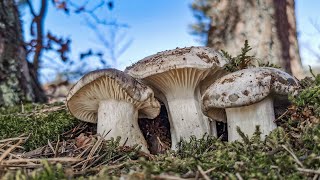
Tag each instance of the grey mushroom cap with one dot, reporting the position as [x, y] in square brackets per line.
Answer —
[84, 97]
[189, 57]
[172, 68]
[246, 87]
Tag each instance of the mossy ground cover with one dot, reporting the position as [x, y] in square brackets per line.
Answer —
[41, 122]
[209, 157]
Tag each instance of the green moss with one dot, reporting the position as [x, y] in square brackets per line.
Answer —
[251, 159]
[41, 122]
[48, 172]
[309, 95]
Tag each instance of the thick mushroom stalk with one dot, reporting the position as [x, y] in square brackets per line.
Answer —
[178, 75]
[113, 100]
[248, 117]
[120, 118]
[180, 87]
[248, 97]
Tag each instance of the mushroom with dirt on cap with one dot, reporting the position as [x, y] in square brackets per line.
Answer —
[249, 96]
[177, 75]
[113, 99]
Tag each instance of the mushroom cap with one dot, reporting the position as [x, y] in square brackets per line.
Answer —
[189, 57]
[180, 69]
[246, 87]
[100, 85]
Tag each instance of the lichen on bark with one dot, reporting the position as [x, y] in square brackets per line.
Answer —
[15, 81]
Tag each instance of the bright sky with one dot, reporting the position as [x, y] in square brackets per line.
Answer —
[308, 16]
[158, 26]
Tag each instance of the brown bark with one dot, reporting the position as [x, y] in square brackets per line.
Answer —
[268, 25]
[16, 84]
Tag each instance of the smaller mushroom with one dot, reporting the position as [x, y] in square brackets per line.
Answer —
[112, 99]
[248, 97]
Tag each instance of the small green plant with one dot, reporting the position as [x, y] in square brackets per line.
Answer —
[268, 64]
[241, 61]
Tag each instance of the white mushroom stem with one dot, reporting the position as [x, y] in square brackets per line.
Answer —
[213, 127]
[122, 119]
[185, 116]
[248, 117]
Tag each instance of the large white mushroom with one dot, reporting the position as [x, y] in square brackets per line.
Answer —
[113, 100]
[249, 96]
[177, 76]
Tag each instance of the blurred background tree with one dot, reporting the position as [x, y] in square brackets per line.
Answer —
[22, 60]
[45, 45]
[268, 25]
[16, 82]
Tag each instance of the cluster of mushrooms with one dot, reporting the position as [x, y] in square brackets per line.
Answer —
[196, 91]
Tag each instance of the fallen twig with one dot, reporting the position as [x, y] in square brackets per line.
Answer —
[4, 155]
[61, 159]
[239, 176]
[309, 171]
[203, 174]
[293, 155]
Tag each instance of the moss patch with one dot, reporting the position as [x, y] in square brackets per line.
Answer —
[42, 122]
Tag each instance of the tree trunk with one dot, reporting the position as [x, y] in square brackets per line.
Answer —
[268, 25]
[16, 84]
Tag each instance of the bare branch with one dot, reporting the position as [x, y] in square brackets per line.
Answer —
[31, 8]
[43, 8]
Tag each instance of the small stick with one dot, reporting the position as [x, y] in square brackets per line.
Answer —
[95, 161]
[239, 176]
[83, 152]
[84, 161]
[56, 148]
[22, 107]
[93, 150]
[293, 155]
[13, 155]
[50, 145]
[4, 155]
[168, 177]
[62, 159]
[21, 165]
[209, 170]
[286, 112]
[18, 147]
[309, 171]
[5, 144]
[12, 139]
[203, 173]
[35, 152]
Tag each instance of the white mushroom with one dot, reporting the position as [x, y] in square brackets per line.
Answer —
[248, 96]
[113, 99]
[177, 75]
